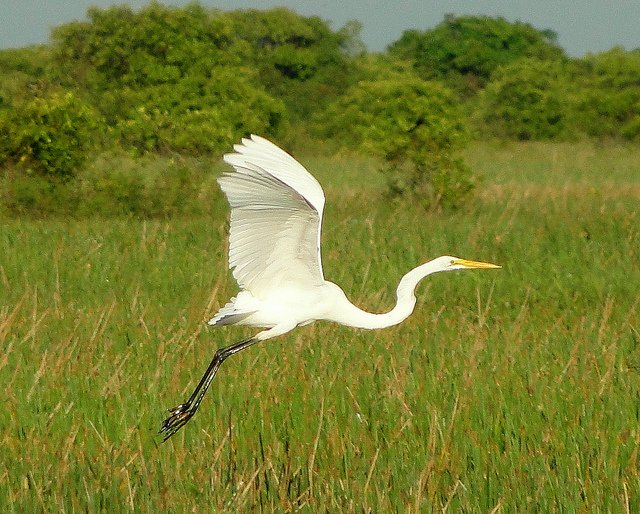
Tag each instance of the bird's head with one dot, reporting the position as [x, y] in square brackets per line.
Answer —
[449, 263]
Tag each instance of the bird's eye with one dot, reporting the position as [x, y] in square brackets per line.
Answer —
[452, 262]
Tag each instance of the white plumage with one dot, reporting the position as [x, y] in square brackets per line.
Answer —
[274, 254]
[274, 233]
[276, 209]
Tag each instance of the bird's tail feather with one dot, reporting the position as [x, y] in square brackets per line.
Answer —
[231, 314]
[228, 319]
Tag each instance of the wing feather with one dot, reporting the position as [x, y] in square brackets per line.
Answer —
[276, 216]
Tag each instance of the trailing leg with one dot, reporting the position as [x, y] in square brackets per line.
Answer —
[182, 413]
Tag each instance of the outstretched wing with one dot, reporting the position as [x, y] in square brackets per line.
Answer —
[276, 215]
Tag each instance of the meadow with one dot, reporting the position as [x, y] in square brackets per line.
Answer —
[515, 390]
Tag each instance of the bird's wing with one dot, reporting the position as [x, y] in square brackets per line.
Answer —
[276, 215]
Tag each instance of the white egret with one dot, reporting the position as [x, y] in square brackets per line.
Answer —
[274, 252]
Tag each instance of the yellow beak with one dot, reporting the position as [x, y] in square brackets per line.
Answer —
[475, 264]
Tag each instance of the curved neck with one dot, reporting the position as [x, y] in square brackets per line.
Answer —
[406, 301]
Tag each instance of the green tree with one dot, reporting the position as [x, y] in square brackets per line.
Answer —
[416, 127]
[167, 78]
[527, 99]
[49, 135]
[24, 71]
[196, 115]
[192, 79]
[465, 50]
[299, 59]
[285, 44]
[608, 101]
[158, 44]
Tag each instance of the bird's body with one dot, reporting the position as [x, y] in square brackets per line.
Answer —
[292, 305]
[289, 306]
[274, 253]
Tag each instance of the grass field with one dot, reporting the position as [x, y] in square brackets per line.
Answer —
[509, 391]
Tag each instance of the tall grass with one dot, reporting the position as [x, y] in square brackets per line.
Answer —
[510, 391]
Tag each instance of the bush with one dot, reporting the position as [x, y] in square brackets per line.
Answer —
[48, 135]
[528, 99]
[167, 78]
[116, 184]
[608, 104]
[465, 50]
[22, 71]
[148, 186]
[37, 195]
[415, 126]
[196, 116]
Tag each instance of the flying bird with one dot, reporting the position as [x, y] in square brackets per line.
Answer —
[274, 253]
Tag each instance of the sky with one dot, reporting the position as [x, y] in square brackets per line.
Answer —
[582, 26]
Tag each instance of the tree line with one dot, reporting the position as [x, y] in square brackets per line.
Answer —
[192, 81]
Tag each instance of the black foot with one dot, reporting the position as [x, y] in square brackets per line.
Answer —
[180, 415]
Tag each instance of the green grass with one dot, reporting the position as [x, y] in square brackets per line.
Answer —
[509, 391]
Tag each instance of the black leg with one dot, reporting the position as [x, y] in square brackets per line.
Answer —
[185, 411]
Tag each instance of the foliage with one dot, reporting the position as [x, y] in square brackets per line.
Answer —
[190, 81]
[148, 187]
[118, 47]
[465, 50]
[50, 134]
[381, 66]
[609, 100]
[23, 71]
[167, 78]
[527, 99]
[298, 59]
[116, 184]
[284, 44]
[415, 127]
[196, 115]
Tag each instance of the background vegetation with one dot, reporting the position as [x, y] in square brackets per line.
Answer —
[513, 391]
[184, 83]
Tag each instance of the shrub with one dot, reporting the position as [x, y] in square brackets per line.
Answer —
[527, 99]
[196, 116]
[49, 135]
[38, 195]
[465, 50]
[608, 104]
[116, 184]
[168, 78]
[149, 186]
[415, 126]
